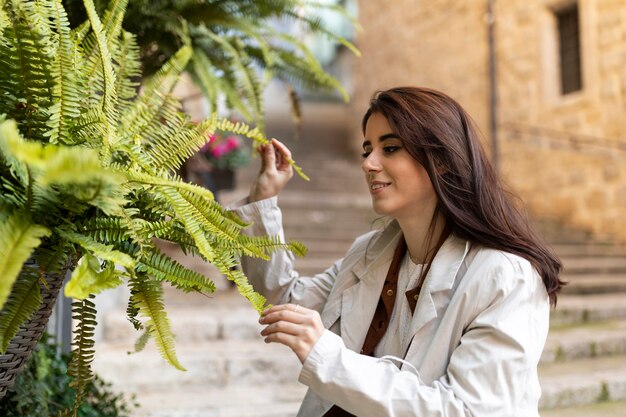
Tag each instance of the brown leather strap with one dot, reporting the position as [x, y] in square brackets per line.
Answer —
[382, 315]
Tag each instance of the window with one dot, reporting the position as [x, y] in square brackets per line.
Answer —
[569, 49]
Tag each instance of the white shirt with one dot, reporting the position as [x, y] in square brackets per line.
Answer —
[396, 340]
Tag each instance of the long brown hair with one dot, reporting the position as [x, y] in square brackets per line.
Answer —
[441, 136]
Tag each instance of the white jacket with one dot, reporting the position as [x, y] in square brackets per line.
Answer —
[479, 328]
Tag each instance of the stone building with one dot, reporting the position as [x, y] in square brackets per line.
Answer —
[559, 83]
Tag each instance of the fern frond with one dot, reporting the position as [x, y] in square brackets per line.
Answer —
[142, 341]
[205, 76]
[171, 231]
[100, 250]
[147, 296]
[112, 21]
[155, 105]
[149, 180]
[89, 277]
[239, 128]
[109, 99]
[242, 129]
[10, 139]
[53, 257]
[266, 244]
[66, 92]
[76, 170]
[128, 71]
[79, 367]
[191, 210]
[4, 18]
[163, 268]
[315, 24]
[302, 70]
[228, 266]
[26, 50]
[19, 236]
[105, 230]
[159, 86]
[250, 85]
[24, 300]
[89, 127]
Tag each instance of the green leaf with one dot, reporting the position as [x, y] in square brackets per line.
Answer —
[147, 296]
[164, 268]
[23, 302]
[100, 250]
[18, 238]
[79, 368]
[90, 278]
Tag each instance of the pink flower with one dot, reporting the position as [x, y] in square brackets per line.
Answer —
[225, 146]
[205, 148]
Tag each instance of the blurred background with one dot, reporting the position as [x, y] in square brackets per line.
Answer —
[545, 81]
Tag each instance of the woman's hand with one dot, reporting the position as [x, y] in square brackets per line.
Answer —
[275, 171]
[294, 326]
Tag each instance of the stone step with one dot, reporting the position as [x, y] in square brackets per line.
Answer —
[582, 382]
[588, 249]
[345, 199]
[326, 246]
[267, 400]
[579, 324]
[329, 219]
[216, 371]
[603, 409]
[573, 309]
[566, 343]
[191, 325]
[309, 266]
[594, 265]
[211, 365]
[581, 284]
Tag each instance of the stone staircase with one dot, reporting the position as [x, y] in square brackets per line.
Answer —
[232, 373]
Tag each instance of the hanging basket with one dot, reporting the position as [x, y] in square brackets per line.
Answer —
[24, 342]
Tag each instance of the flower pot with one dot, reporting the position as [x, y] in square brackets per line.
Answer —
[25, 341]
[221, 179]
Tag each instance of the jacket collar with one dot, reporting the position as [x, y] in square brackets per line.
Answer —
[444, 266]
[375, 263]
[378, 253]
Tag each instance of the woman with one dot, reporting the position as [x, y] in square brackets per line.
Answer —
[445, 311]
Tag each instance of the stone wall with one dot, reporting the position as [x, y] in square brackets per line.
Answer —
[565, 155]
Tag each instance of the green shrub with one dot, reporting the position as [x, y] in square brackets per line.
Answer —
[43, 390]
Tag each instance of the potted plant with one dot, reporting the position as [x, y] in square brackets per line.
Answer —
[225, 153]
[231, 40]
[87, 183]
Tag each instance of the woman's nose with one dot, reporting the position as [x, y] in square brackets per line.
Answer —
[370, 164]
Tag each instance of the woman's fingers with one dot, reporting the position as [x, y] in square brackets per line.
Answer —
[284, 312]
[281, 148]
[283, 155]
[282, 327]
[297, 327]
[268, 157]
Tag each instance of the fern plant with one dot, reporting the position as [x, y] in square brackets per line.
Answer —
[87, 176]
[231, 41]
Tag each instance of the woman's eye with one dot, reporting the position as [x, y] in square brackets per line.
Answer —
[365, 154]
[391, 149]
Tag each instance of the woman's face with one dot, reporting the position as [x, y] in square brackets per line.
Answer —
[399, 185]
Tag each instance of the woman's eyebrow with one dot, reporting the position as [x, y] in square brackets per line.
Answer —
[388, 136]
[382, 139]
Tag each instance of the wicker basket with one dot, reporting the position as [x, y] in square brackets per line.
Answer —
[24, 342]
